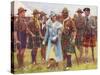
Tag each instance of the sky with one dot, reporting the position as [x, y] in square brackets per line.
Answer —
[47, 7]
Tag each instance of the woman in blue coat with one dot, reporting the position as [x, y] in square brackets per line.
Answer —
[53, 37]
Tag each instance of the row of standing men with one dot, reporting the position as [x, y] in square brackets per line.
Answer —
[60, 31]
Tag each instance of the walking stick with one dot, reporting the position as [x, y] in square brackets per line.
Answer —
[92, 48]
[76, 57]
[76, 54]
[93, 54]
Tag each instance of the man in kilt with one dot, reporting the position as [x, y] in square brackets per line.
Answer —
[68, 37]
[34, 27]
[89, 39]
[79, 23]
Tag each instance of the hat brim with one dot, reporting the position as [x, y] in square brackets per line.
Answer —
[64, 12]
[21, 11]
[43, 14]
[35, 13]
[79, 11]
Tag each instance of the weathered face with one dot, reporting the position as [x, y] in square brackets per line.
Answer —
[22, 14]
[37, 15]
[65, 14]
[87, 13]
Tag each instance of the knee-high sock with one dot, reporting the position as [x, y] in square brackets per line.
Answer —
[43, 53]
[32, 55]
[19, 59]
[69, 63]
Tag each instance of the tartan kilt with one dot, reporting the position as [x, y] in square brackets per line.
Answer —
[69, 48]
[30, 42]
[66, 44]
[89, 41]
[93, 41]
[79, 37]
[36, 42]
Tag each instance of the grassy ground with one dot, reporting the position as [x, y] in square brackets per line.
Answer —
[29, 68]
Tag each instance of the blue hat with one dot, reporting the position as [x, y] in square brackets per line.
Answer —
[52, 13]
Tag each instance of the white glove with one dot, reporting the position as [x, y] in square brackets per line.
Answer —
[43, 42]
[54, 38]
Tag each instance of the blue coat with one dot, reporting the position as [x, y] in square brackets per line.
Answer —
[53, 32]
